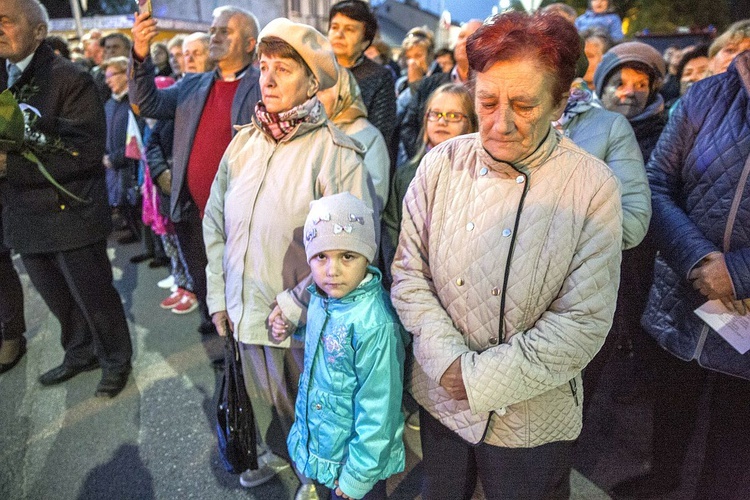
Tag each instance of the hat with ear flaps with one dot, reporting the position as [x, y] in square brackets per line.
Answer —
[310, 44]
[629, 52]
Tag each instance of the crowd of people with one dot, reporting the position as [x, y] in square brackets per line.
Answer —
[480, 229]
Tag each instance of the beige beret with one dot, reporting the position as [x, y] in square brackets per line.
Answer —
[310, 44]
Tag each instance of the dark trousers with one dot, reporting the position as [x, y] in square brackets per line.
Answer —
[77, 287]
[12, 324]
[678, 395]
[451, 467]
[190, 235]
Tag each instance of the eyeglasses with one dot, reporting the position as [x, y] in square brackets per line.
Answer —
[450, 117]
[112, 75]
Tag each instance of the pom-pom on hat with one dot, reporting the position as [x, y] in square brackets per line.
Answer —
[628, 52]
[340, 222]
[310, 44]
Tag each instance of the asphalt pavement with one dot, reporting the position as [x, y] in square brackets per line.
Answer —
[156, 440]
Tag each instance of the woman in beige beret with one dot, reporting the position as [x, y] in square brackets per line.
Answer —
[290, 155]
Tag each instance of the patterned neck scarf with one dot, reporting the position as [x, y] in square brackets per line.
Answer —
[281, 125]
[581, 99]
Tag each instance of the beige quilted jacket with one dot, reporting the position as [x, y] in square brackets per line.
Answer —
[460, 223]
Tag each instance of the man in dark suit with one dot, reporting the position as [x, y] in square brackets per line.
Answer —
[204, 106]
[62, 241]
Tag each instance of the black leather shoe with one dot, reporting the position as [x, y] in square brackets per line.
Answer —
[112, 384]
[62, 373]
[648, 485]
[4, 367]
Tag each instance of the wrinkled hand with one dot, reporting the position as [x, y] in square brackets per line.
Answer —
[281, 327]
[711, 277]
[164, 181]
[144, 31]
[741, 307]
[222, 323]
[415, 70]
[453, 381]
[3, 164]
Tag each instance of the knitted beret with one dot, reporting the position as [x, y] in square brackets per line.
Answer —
[340, 222]
[313, 47]
[628, 52]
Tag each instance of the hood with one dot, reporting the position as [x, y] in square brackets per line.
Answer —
[349, 104]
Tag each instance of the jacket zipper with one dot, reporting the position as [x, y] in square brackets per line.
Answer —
[501, 330]
[309, 374]
[574, 389]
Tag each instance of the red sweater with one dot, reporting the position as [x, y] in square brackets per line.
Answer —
[211, 139]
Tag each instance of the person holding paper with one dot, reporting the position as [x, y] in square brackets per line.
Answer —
[699, 175]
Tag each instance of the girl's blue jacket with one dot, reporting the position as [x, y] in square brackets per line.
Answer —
[348, 424]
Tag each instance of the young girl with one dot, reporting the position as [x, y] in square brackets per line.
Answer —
[601, 15]
[450, 113]
[348, 424]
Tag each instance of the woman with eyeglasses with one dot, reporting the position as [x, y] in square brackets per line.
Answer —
[450, 113]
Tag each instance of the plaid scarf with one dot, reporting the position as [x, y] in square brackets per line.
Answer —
[281, 125]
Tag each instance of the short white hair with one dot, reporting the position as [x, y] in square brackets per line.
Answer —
[35, 12]
[252, 21]
[198, 36]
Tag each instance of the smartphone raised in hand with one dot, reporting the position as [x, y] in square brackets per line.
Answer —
[144, 6]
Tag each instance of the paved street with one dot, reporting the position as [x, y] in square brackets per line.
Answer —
[156, 439]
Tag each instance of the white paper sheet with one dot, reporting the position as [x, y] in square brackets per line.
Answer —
[734, 328]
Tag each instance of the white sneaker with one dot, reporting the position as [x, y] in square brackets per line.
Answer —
[307, 492]
[167, 282]
[268, 466]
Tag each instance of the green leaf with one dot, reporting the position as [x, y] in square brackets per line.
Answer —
[32, 158]
[11, 123]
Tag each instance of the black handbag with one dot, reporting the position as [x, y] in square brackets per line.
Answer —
[235, 421]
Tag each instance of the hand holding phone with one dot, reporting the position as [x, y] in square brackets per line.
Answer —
[144, 6]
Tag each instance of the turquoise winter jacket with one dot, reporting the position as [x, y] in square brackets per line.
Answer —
[348, 423]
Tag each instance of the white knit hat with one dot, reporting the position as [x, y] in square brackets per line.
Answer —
[340, 222]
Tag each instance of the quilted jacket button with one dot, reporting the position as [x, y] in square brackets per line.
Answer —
[483, 171]
[318, 406]
[502, 411]
[496, 291]
[506, 232]
[469, 226]
[460, 281]
[520, 179]
[493, 340]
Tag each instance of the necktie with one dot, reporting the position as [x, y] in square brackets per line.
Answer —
[14, 73]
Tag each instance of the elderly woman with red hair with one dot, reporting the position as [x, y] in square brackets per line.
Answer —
[506, 273]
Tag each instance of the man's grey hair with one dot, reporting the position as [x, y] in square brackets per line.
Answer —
[198, 36]
[175, 41]
[118, 62]
[35, 12]
[251, 21]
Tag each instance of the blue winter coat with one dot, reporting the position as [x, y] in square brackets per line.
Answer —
[348, 423]
[609, 22]
[697, 171]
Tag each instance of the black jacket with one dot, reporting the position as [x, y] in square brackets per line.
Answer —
[37, 218]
